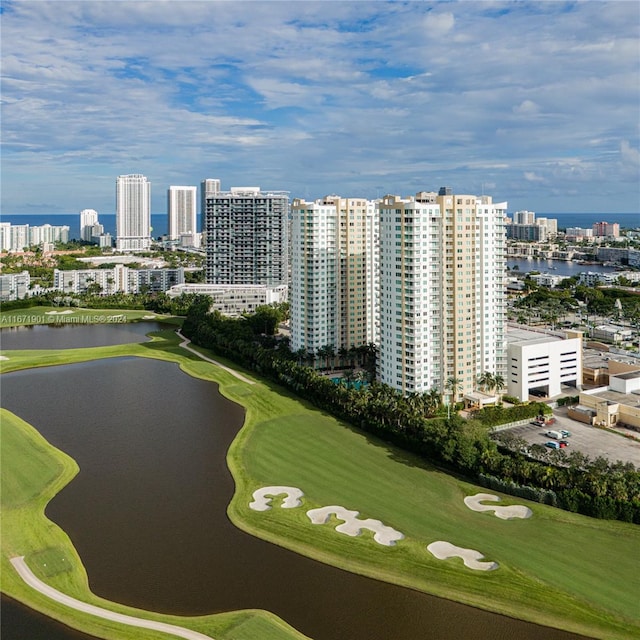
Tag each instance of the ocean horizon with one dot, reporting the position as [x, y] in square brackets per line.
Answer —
[160, 221]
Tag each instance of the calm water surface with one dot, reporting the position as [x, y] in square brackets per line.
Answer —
[147, 512]
[18, 622]
[72, 336]
[556, 267]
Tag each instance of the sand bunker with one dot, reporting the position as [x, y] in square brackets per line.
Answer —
[471, 558]
[3, 358]
[57, 313]
[262, 498]
[505, 513]
[353, 525]
[149, 317]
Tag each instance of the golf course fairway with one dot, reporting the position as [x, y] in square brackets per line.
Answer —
[555, 568]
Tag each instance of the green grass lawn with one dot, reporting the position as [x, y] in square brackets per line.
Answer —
[77, 315]
[556, 568]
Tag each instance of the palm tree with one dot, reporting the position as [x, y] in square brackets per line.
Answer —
[454, 386]
[321, 352]
[432, 400]
[485, 380]
[498, 383]
[331, 355]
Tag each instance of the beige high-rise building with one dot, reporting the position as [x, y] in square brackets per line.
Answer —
[334, 273]
[442, 309]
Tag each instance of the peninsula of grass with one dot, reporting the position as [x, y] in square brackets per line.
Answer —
[556, 568]
[79, 315]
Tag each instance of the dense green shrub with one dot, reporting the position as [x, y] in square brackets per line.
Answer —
[534, 494]
[573, 482]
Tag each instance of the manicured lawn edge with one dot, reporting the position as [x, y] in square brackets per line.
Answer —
[336, 551]
[18, 538]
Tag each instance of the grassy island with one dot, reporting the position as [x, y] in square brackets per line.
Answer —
[555, 568]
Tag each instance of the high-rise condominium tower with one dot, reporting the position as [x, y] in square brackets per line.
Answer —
[524, 217]
[441, 291]
[208, 187]
[88, 219]
[183, 221]
[334, 273]
[245, 233]
[133, 213]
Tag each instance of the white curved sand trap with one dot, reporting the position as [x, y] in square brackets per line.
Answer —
[149, 317]
[471, 558]
[262, 498]
[3, 358]
[27, 575]
[352, 526]
[57, 313]
[505, 513]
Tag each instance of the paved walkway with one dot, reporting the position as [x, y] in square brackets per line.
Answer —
[27, 575]
[185, 345]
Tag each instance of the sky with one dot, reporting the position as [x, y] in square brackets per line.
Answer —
[534, 103]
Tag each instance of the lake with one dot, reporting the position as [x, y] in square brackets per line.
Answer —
[147, 512]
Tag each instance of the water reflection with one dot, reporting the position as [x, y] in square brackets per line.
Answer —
[72, 336]
[147, 512]
[18, 622]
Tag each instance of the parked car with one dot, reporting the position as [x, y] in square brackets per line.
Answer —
[552, 444]
[563, 444]
[557, 435]
[565, 433]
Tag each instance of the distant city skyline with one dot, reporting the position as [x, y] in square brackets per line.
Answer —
[534, 102]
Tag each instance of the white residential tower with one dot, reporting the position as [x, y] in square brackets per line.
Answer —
[133, 213]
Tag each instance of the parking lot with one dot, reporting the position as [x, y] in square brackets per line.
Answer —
[588, 440]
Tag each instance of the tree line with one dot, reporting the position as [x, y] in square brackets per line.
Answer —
[420, 423]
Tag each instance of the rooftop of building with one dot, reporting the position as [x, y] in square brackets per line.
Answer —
[595, 359]
[518, 333]
[616, 397]
[628, 375]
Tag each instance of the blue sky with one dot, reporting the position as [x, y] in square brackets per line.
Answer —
[536, 103]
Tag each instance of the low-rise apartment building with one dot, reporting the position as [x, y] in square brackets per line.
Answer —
[234, 299]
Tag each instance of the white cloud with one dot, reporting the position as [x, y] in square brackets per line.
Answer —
[439, 23]
[325, 96]
[526, 108]
[629, 155]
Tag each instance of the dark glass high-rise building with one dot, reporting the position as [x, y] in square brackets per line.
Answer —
[246, 236]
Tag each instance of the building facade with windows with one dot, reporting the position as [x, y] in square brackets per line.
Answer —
[14, 286]
[234, 299]
[133, 213]
[20, 237]
[334, 273]
[208, 187]
[246, 236]
[183, 216]
[539, 365]
[88, 220]
[442, 270]
[120, 279]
